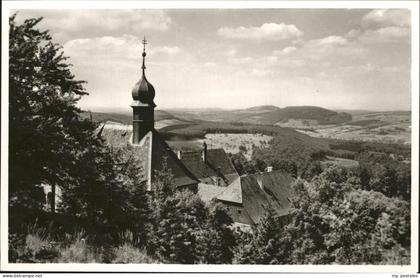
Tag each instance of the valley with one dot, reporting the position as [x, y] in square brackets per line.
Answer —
[388, 126]
[268, 133]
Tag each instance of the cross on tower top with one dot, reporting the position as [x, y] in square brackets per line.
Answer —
[144, 42]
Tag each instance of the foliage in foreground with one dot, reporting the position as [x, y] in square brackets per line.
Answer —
[39, 249]
[333, 222]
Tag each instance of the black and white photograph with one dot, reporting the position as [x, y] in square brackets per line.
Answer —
[213, 137]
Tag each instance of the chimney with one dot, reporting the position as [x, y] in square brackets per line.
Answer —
[204, 152]
[179, 154]
[268, 169]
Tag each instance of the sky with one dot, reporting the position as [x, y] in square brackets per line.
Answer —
[238, 58]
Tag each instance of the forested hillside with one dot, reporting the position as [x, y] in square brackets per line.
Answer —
[266, 115]
[321, 115]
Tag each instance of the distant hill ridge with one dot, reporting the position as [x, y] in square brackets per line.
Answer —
[262, 108]
[265, 114]
[126, 118]
[276, 114]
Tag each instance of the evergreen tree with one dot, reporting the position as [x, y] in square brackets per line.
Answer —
[265, 244]
[180, 233]
[48, 139]
[220, 237]
[179, 218]
[50, 143]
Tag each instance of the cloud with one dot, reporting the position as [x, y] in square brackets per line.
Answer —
[124, 47]
[241, 60]
[267, 31]
[111, 20]
[117, 49]
[285, 51]
[259, 72]
[210, 65]
[371, 68]
[253, 73]
[292, 63]
[229, 52]
[381, 35]
[386, 34]
[169, 50]
[382, 26]
[330, 47]
[332, 40]
[389, 17]
[263, 61]
[69, 24]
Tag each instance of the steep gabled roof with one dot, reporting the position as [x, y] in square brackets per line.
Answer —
[208, 192]
[233, 193]
[217, 164]
[115, 135]
[160, 149]
[248, 197]
[218, 158]
[261, 190]
[151, 152]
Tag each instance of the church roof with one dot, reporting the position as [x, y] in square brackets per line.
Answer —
[151, 152]
[160, 149]
[246, 198]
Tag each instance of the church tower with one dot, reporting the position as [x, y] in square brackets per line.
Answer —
[143, 105]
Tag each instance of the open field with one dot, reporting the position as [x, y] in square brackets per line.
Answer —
[230, 142]
[387, 127]
[342, 162]
[295, 136]
[168, 122]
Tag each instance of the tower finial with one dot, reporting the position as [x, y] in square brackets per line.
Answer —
[144, 42]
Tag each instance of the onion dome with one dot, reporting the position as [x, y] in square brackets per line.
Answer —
[143, 91]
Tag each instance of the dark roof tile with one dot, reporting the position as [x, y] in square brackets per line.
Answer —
[261, 190]
[218, 164]
[151, 152]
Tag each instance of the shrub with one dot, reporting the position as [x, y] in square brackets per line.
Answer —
[128, 254]
[79, 252]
